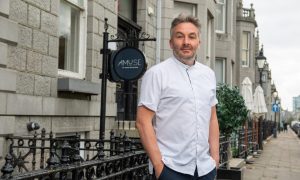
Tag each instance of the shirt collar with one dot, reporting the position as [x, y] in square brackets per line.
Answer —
[182, 64]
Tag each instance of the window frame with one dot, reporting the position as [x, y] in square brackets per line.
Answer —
[209, 37]
[223, 59]
[194, 7]
[82, 43]
[247, 50]
[224, 5]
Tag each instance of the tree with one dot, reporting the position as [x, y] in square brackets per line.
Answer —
[231, 109]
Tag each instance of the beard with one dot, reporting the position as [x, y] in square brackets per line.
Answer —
[182, 57]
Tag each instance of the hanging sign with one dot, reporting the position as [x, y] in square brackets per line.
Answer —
[129, 63]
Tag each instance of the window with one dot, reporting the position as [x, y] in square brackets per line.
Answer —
[71, 137]
[127, 9]
[245, 49]
[209, 38]
[221, 16]
[186, 8]
[220, 68]
[72, 38]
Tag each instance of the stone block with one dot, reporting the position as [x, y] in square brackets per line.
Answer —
[3, 54]
[44, 122]
[42, 85]
[53, 46]
[4, 7]
[113, 18]
[110, 5]
[92, 74]
[8, 80]
[20, 127]
[19, 104]
[34, 62]
[92, 25]
[54, 106]
[92, 135]
[40, 41]
[111, 109]
[94, 109]
[34, 16]
[18, 11]
[95, 10]
[2, 145]
[55, 6]
[90, 41]
[72, 124]
[77, 107]
[25, 83]
[3, 103]
[53, 88]
[7, 125]
[50, 66]
[25, 36]
[49, 23]
[16, 58]
[8, 30]
[94, 59]
[109, 122]
[43, 4]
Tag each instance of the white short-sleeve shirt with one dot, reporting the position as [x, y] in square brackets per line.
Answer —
[181, 97]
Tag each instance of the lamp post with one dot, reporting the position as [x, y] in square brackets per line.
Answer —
[261, 62]
[275, 95]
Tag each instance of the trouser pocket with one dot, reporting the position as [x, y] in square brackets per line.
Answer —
[162, 174]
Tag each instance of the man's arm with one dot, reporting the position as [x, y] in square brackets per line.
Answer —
[148, 138]
[214, 136]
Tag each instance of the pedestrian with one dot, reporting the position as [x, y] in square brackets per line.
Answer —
[285, 127]
[176, 116]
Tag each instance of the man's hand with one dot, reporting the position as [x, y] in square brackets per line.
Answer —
[217, 160]
[158, 169]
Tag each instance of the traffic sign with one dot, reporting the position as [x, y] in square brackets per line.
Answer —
[275, 108]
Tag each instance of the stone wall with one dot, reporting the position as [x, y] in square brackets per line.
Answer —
[29, 44]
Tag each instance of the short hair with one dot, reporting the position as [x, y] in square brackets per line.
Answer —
[182, 18]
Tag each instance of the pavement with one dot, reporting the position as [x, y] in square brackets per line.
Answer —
[280, 159]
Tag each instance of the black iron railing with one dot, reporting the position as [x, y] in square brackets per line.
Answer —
[224, 144]
[43, 157]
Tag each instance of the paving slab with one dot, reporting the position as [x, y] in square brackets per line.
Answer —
[280, 159]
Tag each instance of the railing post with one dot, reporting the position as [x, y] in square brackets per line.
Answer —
[127, 143]
[112, 142]
[51, 161]
[8, 168]
[77, 156]
[33, 149]
[65, 158]
[43, 135]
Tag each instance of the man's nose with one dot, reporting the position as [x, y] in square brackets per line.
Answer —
[186, 41]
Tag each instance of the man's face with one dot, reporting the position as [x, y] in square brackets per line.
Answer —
[185, 41]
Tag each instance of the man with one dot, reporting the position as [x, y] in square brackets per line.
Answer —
[176, 117]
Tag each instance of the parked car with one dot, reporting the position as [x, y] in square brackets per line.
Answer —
[296, 127]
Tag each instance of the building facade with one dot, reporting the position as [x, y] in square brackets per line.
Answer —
[296, 104]
[50, 58]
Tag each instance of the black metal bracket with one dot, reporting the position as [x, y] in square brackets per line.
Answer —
[105, 51]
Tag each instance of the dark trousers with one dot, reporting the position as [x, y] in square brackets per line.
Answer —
[169, 174]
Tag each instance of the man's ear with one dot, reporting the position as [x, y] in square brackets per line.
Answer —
[170, 43]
